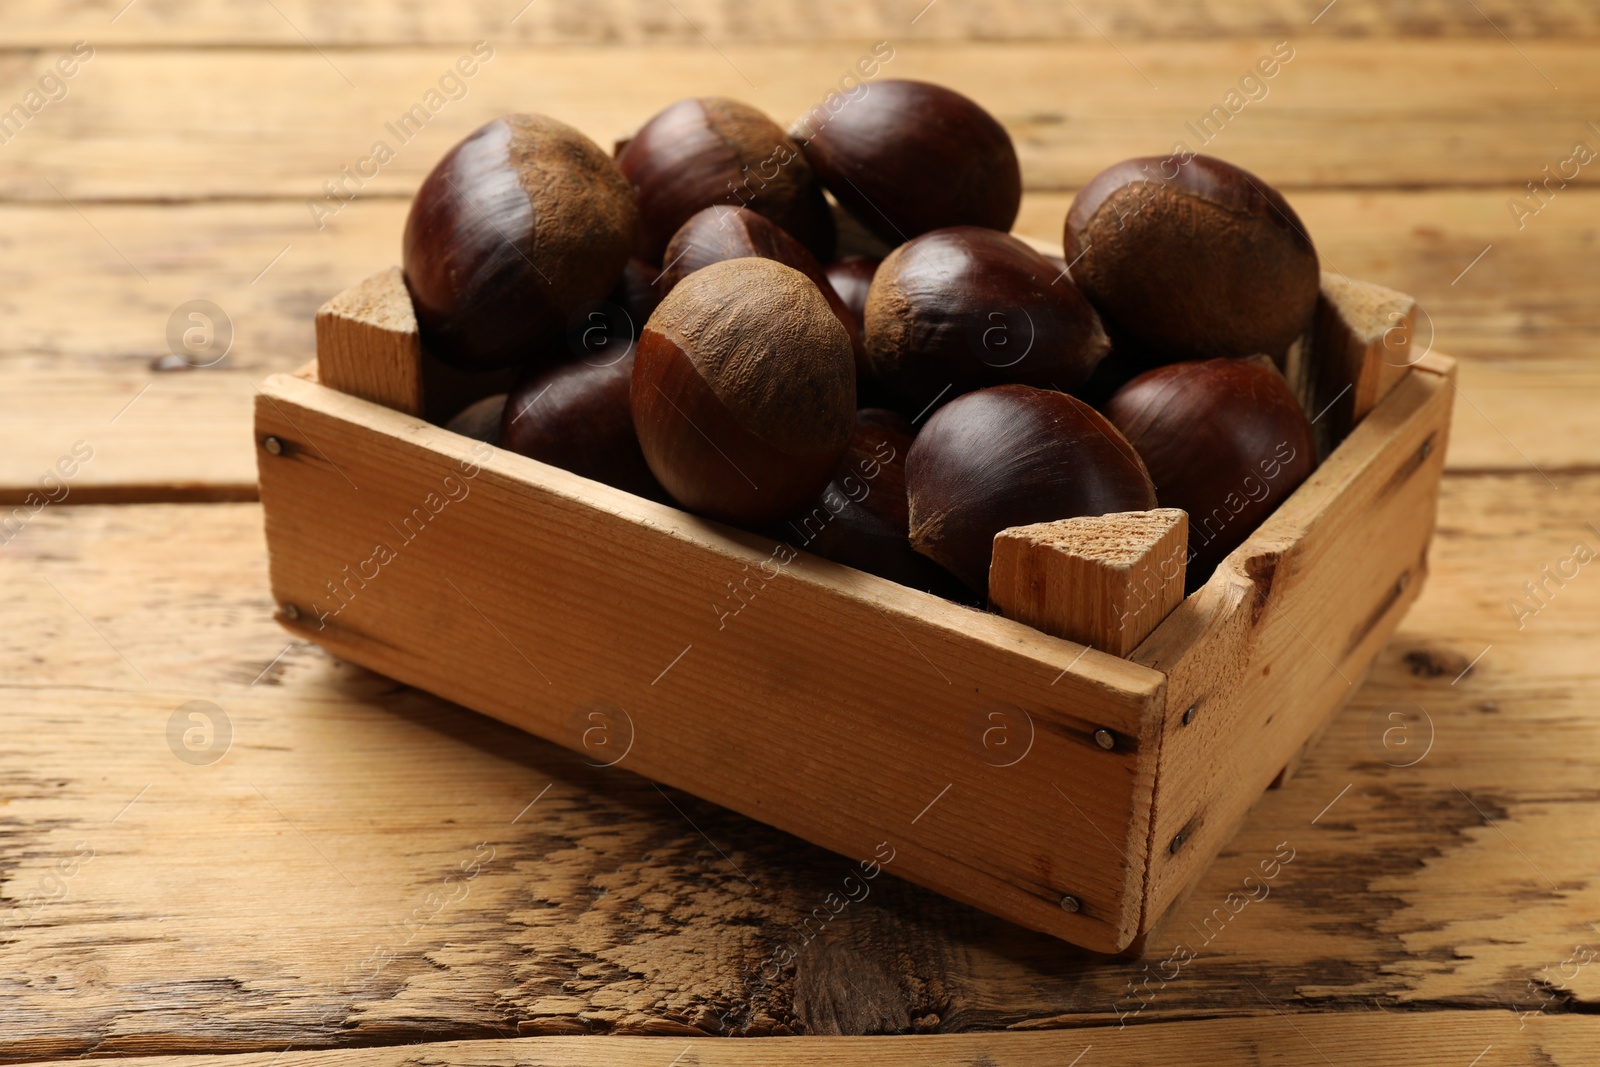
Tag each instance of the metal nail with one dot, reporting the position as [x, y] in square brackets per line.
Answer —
[1071, 903]
[290, 611]
[273, 446]
[1104, 739]
[1188, 715]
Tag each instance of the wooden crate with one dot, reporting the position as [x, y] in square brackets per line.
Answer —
[1071, 791]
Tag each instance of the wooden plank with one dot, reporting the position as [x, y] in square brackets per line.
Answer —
[1446, 1037]
[1528, 298]
[139, 437]
[1277, 641]
[38, 23]
[1072, 108]
[1521, 315]
[607, 910]
[616, 592]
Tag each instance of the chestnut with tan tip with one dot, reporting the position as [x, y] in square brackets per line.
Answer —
[744, 391]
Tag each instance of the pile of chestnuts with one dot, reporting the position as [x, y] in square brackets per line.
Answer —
[680, 328]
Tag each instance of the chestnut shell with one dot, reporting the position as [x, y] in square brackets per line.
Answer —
[480, 420]
[721, 232]
[638, 292]
[862, 519]
[1192, 260]
[1223, 439]
[518, 225]
[907, 157]
[965, 308]
[852, 278]
[711, 150]
[1010, 456]
[576, 416]
[743, 391]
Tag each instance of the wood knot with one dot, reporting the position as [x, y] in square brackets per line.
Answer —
[1435, 663]
[1261, 570]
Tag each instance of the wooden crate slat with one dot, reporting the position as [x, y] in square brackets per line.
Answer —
[832, 704]
[1285, 630]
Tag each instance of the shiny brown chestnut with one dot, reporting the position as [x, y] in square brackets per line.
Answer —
[638, 292]
[722, 232]
[575, 415]
[965, 308]
[861, 519]
[907, 157]
[1192, 259]
[1010, 456]
[515, 227]
[1223, 439]
[743, 391]
[711, 150]
[852, 278]
[480, 420]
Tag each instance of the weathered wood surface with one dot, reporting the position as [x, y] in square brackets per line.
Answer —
[1345, 113]
[1519, 321]
[247, 898]
[644, 22]
[1446, 1038]
[211, 916]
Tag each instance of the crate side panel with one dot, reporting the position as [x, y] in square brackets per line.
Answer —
[1286, 629]
[865, 717]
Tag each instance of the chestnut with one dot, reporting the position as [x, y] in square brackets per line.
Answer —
[722, 232]
[860, 519]
[711, 150]
[638, 291]
[1223, 439]
[851, 277]
[1192, 259]
[480, 420]
[515, 227]
[907, 157]
[575, 415]
[1009, 456]
[743, 391]
[964, 308]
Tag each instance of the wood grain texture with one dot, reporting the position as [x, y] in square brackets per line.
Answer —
[1105, 581]
[212, 917]
[637, 610]
[1362, 114]
[641, 22]
[1447, 1037]
[162, 436]
[368, 345]
[1460, 879]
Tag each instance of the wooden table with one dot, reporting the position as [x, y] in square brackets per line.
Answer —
[365, 868]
